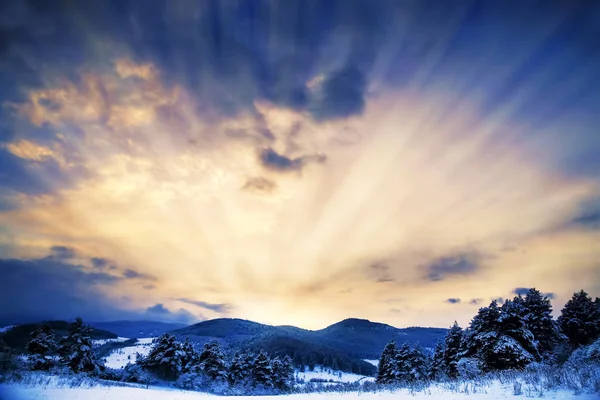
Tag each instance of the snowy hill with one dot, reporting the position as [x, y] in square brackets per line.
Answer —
[121, 357]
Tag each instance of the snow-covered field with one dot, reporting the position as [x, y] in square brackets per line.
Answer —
[100, 342]
[121, 357]
[495, 391]
[373, 362]
[326, 374]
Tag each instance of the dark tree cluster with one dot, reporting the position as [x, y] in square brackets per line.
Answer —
[170, 359]
[74, 351]
[500, 337]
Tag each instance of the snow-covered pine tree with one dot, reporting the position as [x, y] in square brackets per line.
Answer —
[419, 363]
[538, 319]
[77, 349]
[190, 360]
[262, 371]
[240, 368]
[452, 351]
[403, 365]
[213, 362]
[498, 339]
[512, 323]
[41, 345]
[579, 320]
[283, 373]
[437, 362]
[386, 369]
[165, 358]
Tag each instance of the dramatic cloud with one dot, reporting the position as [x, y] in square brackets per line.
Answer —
[131, 274]
[448, 266]
[259, 184]
[265, 158]
[49, 289]
[99, 262]
[62, 252]
[161, 312]
[219, 308]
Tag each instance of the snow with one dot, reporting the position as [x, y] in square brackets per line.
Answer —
[336, 376]
[6, 328]
[121, 357]
[495, 391]
[373, 362]
[100, 342]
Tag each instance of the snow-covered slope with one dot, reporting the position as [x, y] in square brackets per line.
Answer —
[100, 342]
[373, 362]
[121, 357]
[330, 375]
[6, 328]
[495, 391]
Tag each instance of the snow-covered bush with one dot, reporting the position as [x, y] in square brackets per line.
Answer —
[589, 353]
[468, 368]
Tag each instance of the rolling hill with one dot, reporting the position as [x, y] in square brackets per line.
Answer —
[343, 345]
[137, 329]
[18, 336]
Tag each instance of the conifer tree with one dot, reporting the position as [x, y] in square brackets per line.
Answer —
[262, 371]
[213, 361]
[386, 370]
[165, 358]
[437, 362]
[240, 369]
[538, 319]
[452, 351]
[579, 320]
[77, 349]
[41, 345]
[498, 339]
[283, 373]
[403, 365]
[190, 360]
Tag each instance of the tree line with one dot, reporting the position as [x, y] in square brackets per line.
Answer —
[513, 335]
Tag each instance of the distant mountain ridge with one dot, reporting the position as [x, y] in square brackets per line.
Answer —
[137, 329]
[344, 344]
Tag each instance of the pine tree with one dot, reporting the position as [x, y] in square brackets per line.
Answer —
[419, 364]
[452, 351]
[386, 370]
[437, 363]
[213, 361]
[240, 368]
[403, 365]
[190, 361]
[41, 345]
[283, 373]
[538, 319]
[498, 339]
[579, 320]
[165, 358]
[512, 323]
[262, 371]
[77, 347]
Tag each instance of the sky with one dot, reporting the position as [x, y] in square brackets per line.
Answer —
[296, 162]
